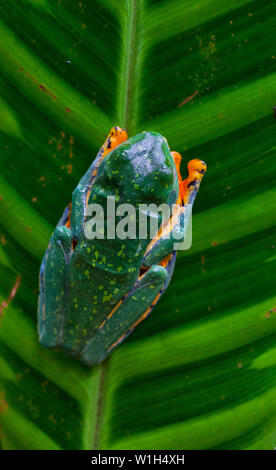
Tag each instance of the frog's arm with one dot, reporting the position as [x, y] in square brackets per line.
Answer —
[132, 309]
[82, 192]
[53, 290]
[176, 226]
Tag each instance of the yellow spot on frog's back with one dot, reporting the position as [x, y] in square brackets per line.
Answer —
[107, 298]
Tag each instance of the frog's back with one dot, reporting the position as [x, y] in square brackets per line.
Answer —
[97, 283]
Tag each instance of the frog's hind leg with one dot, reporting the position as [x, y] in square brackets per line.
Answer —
[82, 192]
[189, 187]
[132, 309]
[176, 227]
[53, 290]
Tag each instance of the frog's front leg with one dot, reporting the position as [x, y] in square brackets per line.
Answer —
[176, 227]
[133, 308]
[53, 287]
[81, 193]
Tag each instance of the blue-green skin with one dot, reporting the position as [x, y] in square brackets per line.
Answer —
[80, 287]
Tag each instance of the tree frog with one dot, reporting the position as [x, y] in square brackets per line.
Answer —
[95, 291]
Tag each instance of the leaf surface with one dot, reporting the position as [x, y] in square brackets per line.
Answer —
[200, 372]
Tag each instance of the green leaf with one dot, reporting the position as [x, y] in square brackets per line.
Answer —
[200, 372]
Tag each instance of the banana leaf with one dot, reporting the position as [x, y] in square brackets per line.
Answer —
[200, 373]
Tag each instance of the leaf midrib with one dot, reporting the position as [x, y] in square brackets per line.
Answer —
[126, 119]
[128, 78]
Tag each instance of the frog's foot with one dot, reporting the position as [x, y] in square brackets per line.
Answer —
[116, 136]
[133, 308]
[190, 186]
[52, 299]
[173, 231]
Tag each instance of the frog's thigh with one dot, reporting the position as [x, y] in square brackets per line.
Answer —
[162, 247]
[134, 308]
[52, 301]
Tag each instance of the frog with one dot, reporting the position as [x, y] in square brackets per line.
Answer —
[94, 291]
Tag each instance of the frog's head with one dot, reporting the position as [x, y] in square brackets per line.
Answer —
[140, 171]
